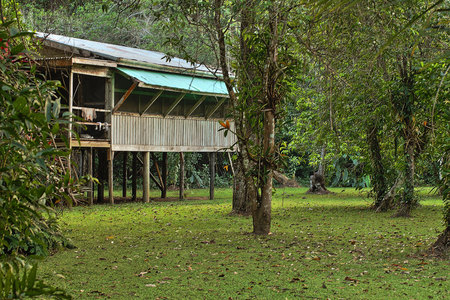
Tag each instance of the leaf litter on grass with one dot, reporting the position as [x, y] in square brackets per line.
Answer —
[339, 249]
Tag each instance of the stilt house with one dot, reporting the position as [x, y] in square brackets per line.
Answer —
[134, 100]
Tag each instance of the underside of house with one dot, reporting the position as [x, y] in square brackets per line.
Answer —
[125, 100]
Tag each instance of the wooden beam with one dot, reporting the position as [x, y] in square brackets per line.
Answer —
[174, 104]
[155, 97]
[146, 181]
[159, 148]
[165, 170]
[81, 164]
[93, 62]
[54, 62]
[70, 111]
[155, 162]
[134, 172]
[137, 92]
[91, 70]
[197, 104]
[155, 180]
[109, 102]
[91, 183]
[101, 175]
[212, 174]
[91, 143]
[181, 176]
[124, 173]
[96, 109]
[231, 163]
[110, 176]
[215, 108]
[125, 96]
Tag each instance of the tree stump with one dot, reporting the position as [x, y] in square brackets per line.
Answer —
[317, 185]
[442, 245]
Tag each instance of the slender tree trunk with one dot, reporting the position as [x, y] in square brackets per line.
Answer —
[262, 205]
[244, 190]
[242, 197]
[408, 200]
[379, 173]
[404, 104]
[321, 169]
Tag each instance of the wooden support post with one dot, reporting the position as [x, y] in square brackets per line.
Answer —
[81, 164]
[124, 174]
[110, 176]
[70, 111]
[181, 176]
[134, 174]
[101, 175]
[165, 169]
[90, 172]
[212, 174]
[146, 183]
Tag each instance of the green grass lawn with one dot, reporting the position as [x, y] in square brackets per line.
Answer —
[322, 247]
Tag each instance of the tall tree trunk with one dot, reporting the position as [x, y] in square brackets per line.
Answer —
[380, 188]
[408, 200]
[262, 205]
[241, 195]
[321, 169]
[242, 204]
[404, 104]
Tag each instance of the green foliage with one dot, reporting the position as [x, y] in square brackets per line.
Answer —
[349, 172]
[126, 22]
[30, 177]
[18, 280]
[359, 79]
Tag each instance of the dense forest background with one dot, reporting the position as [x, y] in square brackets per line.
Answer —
[342, 112]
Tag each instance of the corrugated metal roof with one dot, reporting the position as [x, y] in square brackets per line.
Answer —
[177, 82]
[122, 53]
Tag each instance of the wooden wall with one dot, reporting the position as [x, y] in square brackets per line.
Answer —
[170, 134]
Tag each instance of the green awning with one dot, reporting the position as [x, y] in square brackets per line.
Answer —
[177, 82]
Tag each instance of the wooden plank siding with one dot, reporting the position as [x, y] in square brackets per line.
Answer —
[150, 133]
